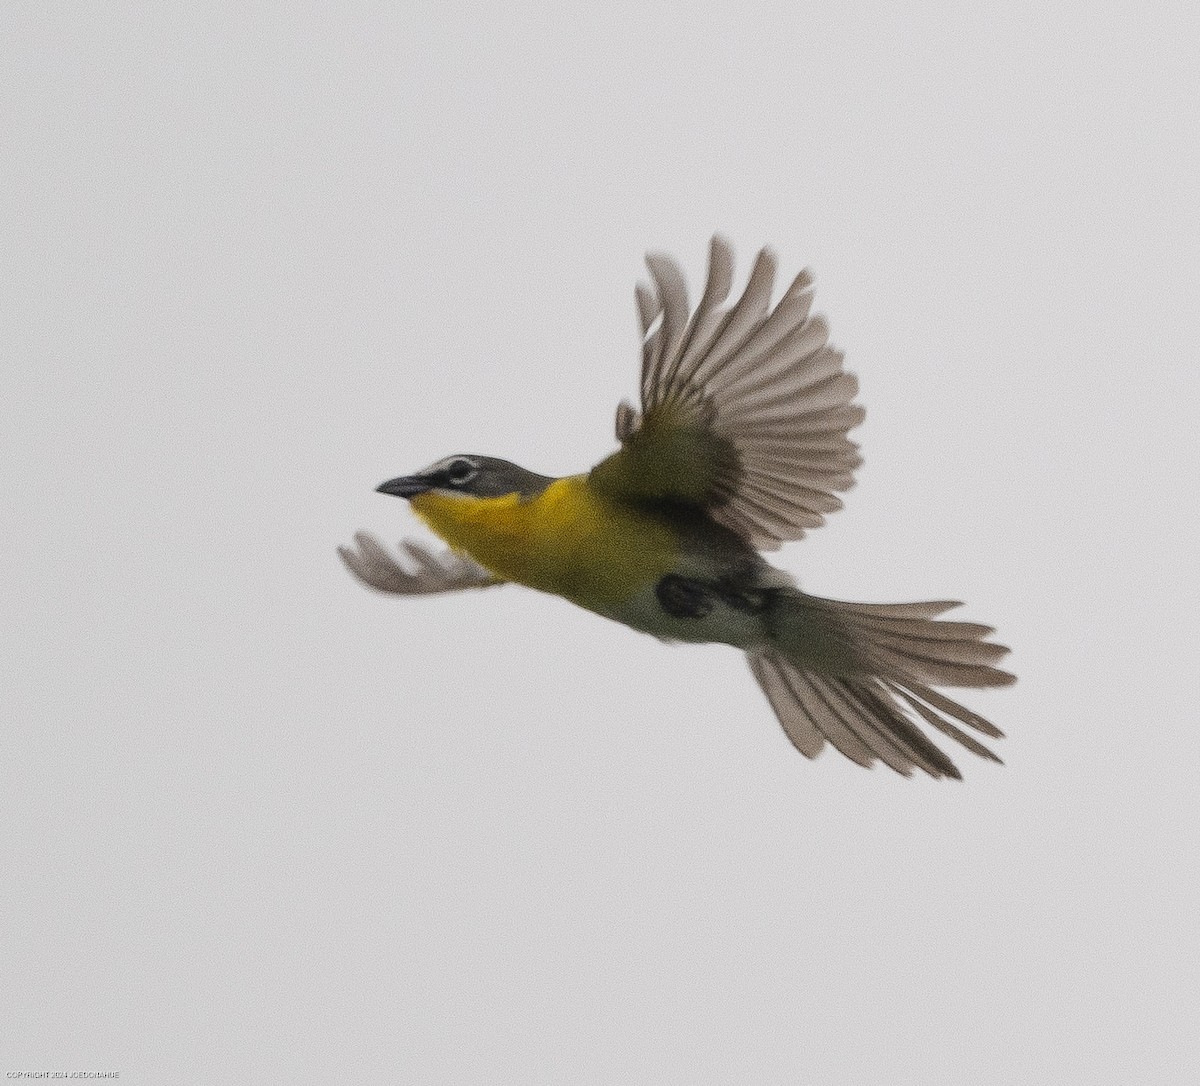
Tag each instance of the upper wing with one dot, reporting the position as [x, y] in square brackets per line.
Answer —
[445, 572]
[745, 408]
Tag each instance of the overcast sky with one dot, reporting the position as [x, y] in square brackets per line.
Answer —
[259, 824]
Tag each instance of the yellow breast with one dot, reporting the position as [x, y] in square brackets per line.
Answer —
[567, 540]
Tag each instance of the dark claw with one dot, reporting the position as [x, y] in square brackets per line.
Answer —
[683, 598]
[753, 601]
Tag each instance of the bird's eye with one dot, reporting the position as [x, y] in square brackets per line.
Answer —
[460, 470]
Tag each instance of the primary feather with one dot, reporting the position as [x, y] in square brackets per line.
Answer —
[745, 410]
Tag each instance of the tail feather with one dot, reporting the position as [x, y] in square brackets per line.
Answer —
[949, 707]
[940, 650]
[928, 609]
[911, 662]
[899, 747]
[807, 720]
[936, 637]
[860, 676]
[798, 722]
[943, 630]
[892, 723]
[943, 725]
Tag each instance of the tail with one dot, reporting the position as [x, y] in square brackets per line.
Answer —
[860, 675]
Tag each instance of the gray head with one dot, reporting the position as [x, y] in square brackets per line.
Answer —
[467, 473]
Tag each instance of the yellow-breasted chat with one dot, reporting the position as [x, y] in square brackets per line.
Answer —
[740, 444]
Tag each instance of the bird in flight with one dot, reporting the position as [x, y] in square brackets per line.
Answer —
[739, 446]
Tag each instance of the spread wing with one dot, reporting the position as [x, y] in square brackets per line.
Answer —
[449, 571]
[745, 408]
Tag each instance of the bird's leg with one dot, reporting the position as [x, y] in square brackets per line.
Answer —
[753, 601]
[686, 597]
[682, 597]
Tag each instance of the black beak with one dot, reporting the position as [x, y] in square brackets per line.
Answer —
[406, 486]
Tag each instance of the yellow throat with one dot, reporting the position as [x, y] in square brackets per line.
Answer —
[567, 540]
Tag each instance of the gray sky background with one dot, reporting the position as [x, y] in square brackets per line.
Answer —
[260, 825]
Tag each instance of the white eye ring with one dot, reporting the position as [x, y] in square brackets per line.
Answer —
[461, 470]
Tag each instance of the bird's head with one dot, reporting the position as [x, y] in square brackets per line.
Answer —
[468, 475]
